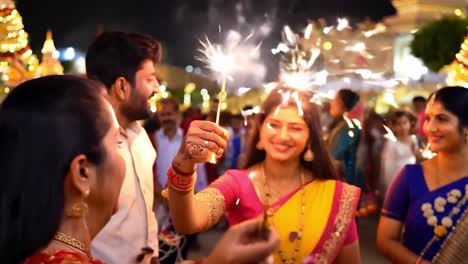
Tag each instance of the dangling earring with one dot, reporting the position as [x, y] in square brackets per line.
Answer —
[259, 145]
[309, 154]
[78, 209]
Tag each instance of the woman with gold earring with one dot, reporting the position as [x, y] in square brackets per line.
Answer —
[60, 170]
[289, 180]
[429, 201]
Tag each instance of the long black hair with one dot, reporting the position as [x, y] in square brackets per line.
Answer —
[44, 124]
[321, 166]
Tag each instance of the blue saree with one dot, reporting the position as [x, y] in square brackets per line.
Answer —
[405, 198]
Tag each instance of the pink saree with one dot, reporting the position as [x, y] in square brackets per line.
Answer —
[329, 222]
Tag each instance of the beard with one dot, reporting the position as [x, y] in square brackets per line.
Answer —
[136, 110]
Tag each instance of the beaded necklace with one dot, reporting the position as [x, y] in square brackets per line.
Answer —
[295, 236]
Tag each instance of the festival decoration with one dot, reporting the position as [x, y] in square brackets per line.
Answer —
[50, 64]
[458, 70]
[17, 61]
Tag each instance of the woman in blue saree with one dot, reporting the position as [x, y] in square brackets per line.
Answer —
[425, 202]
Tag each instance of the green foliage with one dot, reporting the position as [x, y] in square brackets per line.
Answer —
[437, 43]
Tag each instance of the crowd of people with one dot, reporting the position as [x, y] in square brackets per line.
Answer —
[86, 181]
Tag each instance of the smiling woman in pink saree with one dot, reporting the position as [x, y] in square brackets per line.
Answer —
[289, 176]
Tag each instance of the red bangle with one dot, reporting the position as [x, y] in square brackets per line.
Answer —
[178, 182]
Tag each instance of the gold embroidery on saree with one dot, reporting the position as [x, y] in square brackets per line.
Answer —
[340, 226]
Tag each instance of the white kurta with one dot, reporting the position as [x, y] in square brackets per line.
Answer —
[134, 225]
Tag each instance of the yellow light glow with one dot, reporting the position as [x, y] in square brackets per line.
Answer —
[187, 99]
[7, 90]
[224, 105]
[327, 45]
[458, 12]
[190, 87]
[27, 53]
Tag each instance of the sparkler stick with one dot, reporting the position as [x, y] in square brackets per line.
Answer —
[224, 60]
[221, 98]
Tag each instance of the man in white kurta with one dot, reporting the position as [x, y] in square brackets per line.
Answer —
[125, 63]
[134, 220]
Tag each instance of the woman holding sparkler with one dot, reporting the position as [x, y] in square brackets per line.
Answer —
[66, 132]
[428, 201]
[289, 179]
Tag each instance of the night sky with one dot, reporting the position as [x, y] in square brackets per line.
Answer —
[178, 24]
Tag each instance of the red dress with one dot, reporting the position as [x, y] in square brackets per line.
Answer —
[61, 257]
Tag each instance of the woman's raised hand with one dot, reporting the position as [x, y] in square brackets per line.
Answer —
[203, 138]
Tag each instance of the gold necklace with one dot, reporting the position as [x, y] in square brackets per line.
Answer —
[72, 242]
[295, 236]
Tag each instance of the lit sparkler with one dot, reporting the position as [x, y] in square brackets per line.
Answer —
[298, 65]
[224, 60]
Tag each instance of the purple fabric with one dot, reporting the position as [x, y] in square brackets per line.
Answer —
[407, 193]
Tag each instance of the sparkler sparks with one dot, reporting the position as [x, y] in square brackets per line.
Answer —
[225, 60]
[298, 65]
[216, 59]
[286, 96]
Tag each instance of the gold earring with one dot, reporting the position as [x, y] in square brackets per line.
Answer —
[309, 154]
[78, 209]
[259, 145]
